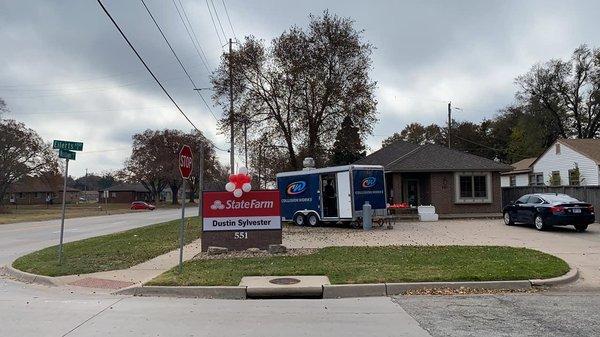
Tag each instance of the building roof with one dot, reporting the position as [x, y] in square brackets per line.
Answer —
[522, 166]
[588, 147]
[128, 187]
[402, 156]
[39, 185]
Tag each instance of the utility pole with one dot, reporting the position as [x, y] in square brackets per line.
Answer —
[246, 141]
[449, 121]
[231, 153]
[200, 179]
[85, 184]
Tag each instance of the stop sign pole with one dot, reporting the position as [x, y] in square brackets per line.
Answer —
[185, 168]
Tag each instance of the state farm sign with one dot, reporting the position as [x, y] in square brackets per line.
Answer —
[254, 210]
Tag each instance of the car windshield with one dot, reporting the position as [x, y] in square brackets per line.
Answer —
[557, 198]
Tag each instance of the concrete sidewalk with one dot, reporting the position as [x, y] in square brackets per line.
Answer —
[138, 274]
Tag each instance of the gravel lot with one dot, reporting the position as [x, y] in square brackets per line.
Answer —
[581, 250]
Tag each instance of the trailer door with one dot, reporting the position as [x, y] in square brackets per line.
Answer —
[343, 194]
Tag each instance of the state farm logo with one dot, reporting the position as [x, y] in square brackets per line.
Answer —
[217, 204]
[242, 204]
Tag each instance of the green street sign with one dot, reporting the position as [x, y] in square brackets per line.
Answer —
[67, 145]
[66, 154]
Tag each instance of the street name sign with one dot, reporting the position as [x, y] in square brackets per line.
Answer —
[185, 162]
[67, 145]
[252, 220]
[66, 154]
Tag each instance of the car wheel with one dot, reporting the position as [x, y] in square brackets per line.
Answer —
[581, 228]
[539, 223]
[299, 219]
[312, 219]
[508, 219]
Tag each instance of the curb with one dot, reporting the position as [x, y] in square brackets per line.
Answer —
[216, 292]
[354, 290]
[570, 276]
[29, 278]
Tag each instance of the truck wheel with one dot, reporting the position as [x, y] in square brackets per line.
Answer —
[312, 219]
[581, 228]
[299, 219]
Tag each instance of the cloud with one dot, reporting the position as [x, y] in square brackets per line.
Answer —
[68, 74]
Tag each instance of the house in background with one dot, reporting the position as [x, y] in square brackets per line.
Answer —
[454, 182]
[521, 175]
[39, 191]
[568, 162]
[125, 193]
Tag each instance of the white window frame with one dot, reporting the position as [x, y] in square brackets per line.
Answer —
[473, 200]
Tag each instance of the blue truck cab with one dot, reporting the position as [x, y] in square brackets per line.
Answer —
[331, 194]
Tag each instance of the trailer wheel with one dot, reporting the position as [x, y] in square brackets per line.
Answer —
[312, 219]
[299, 219]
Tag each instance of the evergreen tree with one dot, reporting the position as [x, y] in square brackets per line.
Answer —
[348, 146]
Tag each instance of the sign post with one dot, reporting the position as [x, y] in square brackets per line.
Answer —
[185, 168]
[65, 151]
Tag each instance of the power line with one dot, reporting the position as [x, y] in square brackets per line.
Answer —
[229, 19]
[218, 19]
[178, 60]
[200, 52]
[150, 71]
[214, 25]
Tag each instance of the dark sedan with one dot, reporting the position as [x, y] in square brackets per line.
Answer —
[545, 210]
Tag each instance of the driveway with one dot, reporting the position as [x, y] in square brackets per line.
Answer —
[581, 250]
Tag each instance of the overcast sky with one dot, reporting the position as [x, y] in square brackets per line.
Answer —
[66, 72]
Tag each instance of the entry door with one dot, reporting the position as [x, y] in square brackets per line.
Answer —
[412, 191]
[343, 192]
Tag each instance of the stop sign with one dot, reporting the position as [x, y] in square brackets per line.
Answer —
[185, 162]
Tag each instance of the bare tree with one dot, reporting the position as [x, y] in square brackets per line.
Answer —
[299, 89]
[154, 160]
[22, 153]
[567, 91]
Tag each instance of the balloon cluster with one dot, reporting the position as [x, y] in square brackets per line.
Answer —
[239, 183]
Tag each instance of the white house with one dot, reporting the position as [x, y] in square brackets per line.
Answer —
[519, 176]
[568, 162]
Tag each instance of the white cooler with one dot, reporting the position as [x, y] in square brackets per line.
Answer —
[427, 213]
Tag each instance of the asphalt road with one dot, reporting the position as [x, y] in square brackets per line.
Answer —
[27, 310]
[20, 238]
[537, 314]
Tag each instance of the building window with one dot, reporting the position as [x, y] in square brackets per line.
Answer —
[473, 187]
[555, 178]
[557, 148]
[513, 180]
[574, 177]
[536, 179]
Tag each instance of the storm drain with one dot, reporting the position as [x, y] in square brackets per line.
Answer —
[284, 280]
[284, 286]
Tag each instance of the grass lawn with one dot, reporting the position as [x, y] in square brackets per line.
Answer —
[378, 264]
[109, 252]
[22, 213]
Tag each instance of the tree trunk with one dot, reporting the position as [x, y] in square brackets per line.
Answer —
[174, 192]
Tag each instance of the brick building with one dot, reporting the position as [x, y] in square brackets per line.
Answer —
[39, 191]
[453, 181]
[125, 193]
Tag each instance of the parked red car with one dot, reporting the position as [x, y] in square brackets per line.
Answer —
[142, 205]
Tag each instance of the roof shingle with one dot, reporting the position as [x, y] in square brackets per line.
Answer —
[402, 156]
